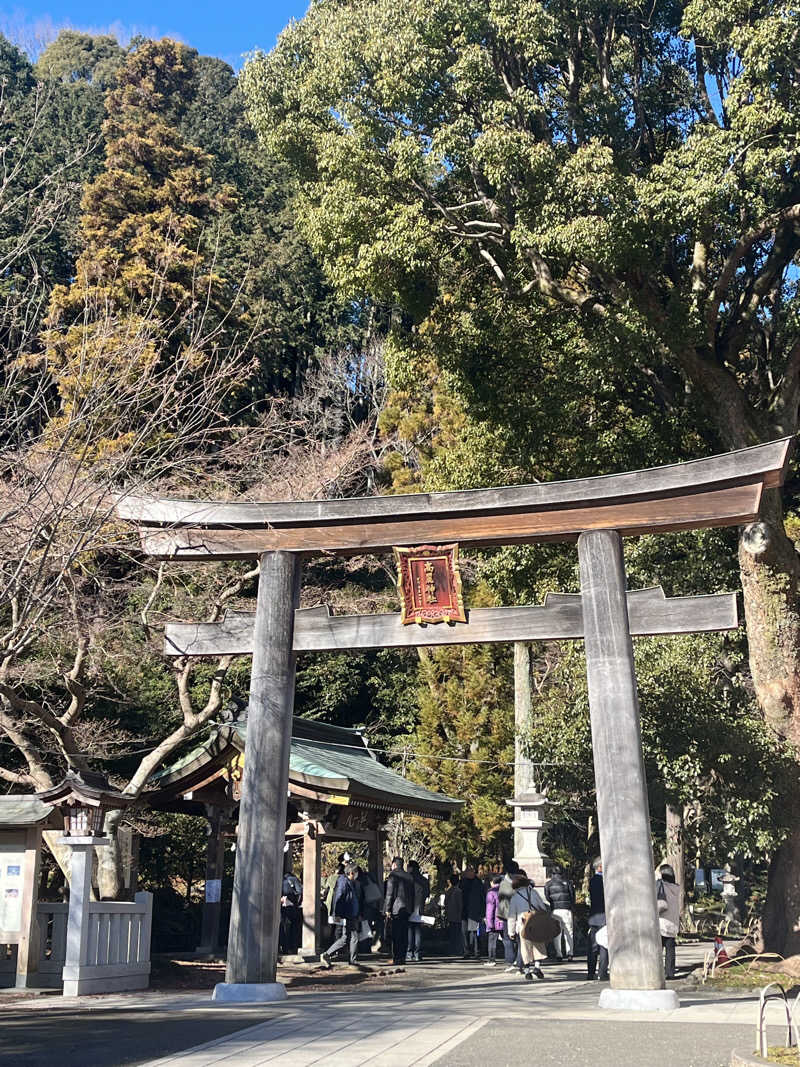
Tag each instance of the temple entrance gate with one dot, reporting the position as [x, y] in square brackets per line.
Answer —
[719, 491]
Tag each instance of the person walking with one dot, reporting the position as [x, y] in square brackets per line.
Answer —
[494, 924]
[504, 895]
[422, 891]
[346, 905]
[668, 897]
[371, 914]
[525, 901]
[398, 905]
[328, 889]
[291, 914]
[453, 910]
[559, 893]
[597, 954]
[474, 907]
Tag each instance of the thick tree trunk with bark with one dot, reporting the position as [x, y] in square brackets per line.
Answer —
[780, 923]
[770, 569]
[674, 849]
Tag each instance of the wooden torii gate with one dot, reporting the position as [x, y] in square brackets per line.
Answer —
[719, 491]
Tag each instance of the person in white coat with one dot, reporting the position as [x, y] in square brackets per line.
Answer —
[526, 899]
[668, 897]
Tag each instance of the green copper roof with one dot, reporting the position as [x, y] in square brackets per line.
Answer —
[23, 811]
[330, 758]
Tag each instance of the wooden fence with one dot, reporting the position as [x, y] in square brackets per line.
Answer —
[52, 943]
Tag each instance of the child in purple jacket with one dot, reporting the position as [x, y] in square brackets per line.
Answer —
[494, 924]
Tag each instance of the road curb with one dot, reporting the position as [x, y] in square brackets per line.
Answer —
[745, 1059]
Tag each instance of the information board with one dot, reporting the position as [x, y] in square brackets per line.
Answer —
[12, 859]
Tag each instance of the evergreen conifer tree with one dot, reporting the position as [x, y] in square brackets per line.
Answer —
[466, 725]
[144, 287]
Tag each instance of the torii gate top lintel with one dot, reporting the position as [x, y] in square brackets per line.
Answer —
[722, 490]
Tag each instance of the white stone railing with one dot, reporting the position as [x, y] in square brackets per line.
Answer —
[114, 950]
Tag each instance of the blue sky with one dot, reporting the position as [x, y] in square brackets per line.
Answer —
[226, 29]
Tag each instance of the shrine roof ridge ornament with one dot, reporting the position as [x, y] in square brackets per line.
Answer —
[721, 490]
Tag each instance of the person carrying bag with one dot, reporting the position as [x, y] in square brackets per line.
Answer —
[530, 921]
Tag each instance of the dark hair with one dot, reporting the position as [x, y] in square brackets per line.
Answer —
[340, 858]
[413, 865]
[667, 873]
[496, 879]
[453, 879]
[398, 860]
[351, 868]
[556, 870]
[519, 881]
[512, 867]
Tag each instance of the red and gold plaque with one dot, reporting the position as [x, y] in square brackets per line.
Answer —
[429, 584]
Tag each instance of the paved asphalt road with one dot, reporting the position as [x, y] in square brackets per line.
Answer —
[109, 1038]
[116, 1038]
[565, 1043]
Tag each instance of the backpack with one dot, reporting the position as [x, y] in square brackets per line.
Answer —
[503, 901]
[372, 894]
[291, 889]
[347, 903]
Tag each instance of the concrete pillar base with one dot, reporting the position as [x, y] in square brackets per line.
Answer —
[249, 992]
[639, 1000]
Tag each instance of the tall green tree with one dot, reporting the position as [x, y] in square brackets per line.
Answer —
[50, 144]
[463, 745]
[81, 57]
[630, 175]
[144, 289]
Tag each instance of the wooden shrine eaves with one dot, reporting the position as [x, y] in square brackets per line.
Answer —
[722, 490]
[315, 629]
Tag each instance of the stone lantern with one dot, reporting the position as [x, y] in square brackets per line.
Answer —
[83, 800]
[529, 826]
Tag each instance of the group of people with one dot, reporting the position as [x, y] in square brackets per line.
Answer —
[510, 909]
[356, 905]
[514, 914]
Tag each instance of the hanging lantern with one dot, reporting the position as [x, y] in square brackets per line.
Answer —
[84, 800]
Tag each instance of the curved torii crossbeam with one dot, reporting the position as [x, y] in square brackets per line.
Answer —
[718, 491]
[721, 491]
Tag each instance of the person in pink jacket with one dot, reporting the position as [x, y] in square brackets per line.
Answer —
[494, 924]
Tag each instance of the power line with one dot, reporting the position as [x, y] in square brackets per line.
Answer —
[397, 753]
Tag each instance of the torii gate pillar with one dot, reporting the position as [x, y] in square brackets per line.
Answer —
[634, 939]
[255, 909]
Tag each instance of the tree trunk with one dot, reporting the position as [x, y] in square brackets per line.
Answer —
[675, 850]
[524, 781]
[780, 923]
[62, 854]
[110, 881]
[770, 570]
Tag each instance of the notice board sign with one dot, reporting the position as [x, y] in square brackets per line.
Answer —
[12, 860]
